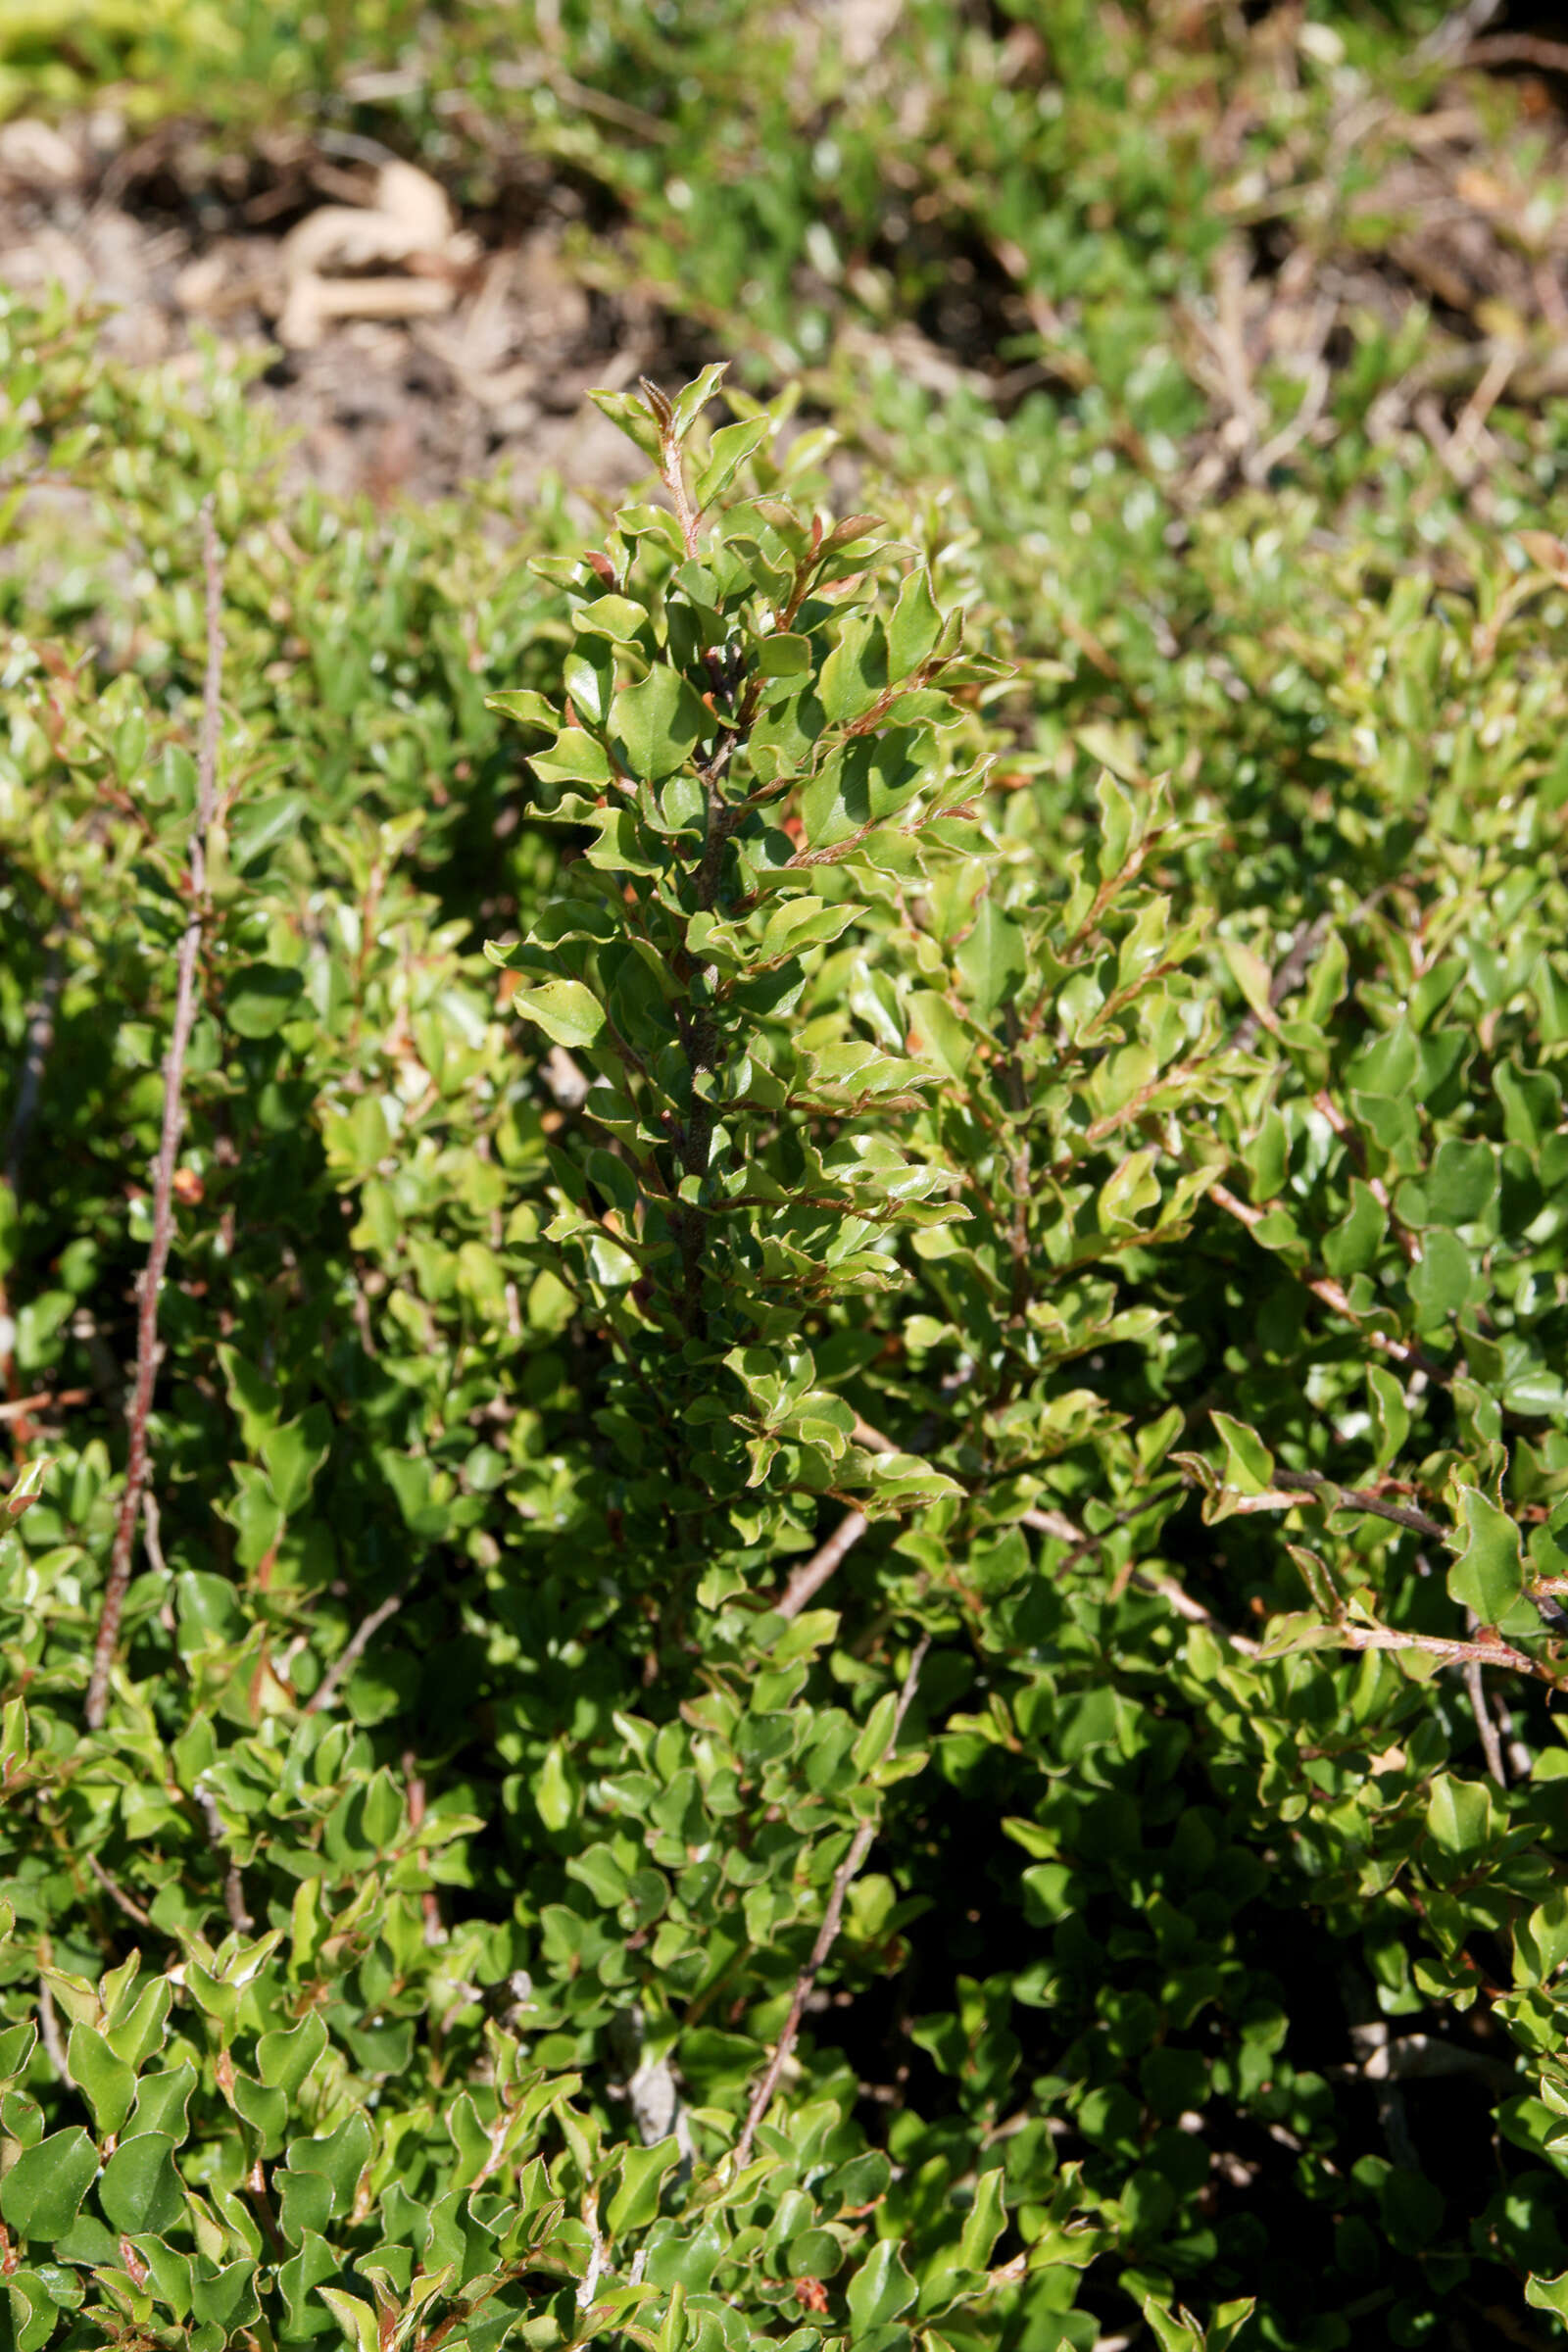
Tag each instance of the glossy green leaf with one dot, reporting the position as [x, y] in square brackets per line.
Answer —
[658, 724]
[569, 1013]
[1488, 1576]
[41, 2191]
[140, 2188]
[881, 2287]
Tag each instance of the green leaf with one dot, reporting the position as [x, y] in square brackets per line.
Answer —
[554, 1792]
[992, 958]
[1541, 1943]
[40, 2194]
[260, 997]
[1462, 1183]
[1391, 1415]
[881, 2287]
[171, 2273]
[139, 2029]
[693, 398]
[33, 2310]
[855, 671]
[632, 416]
[1352, 1246]
[287, 2056]
[1549, 2295]
[339, 2157]
[782, 656]
[659, 724]
[936, 1031]
[985, 2222]
[1459, 1817]
[227, 2299]
[574, 757]
[17, 2045]
[534, 709]
[355, 2318]
[1131, 1188]
[259, 825]
[293, 1455]
[108, 2082]
[1490, 1572]
[569, 1013]
[913, 626]
[635, 2202]
[1250, 974]
[140, 2188]
[1175, 2330]
[1441, 1281]
[728, 451]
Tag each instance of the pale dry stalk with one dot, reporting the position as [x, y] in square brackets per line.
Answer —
[826, 1934]
[147, 1346]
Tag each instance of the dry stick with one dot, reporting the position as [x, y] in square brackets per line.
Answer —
[40, 1039]
[147, 1347]
[1476, 1692]
[1331, 1293]
[1362, 1499]
[355, 1647]
[826, 1934]
[117, 1894]
[1435, 1645]
[807, 1580]
[49, 2031]
[1518, 49]
[239, 1918]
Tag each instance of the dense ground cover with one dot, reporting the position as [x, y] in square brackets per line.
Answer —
[844, 1623]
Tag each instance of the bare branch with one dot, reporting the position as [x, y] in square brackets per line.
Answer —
[355, 1647]
[49, 2031]
[806, 1580]
[116, 1893]
[1518, 49]
[1331, 1293]
[147, 1346]
[35, 1056]
[1336, 1497]
[1452, 1653]
[1492, 1745]
[826, 1934]
[234, 1903]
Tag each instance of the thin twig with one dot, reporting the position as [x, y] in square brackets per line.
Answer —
[18, 1408]
[116, 1893]
[807, 1580]
[49, 2031]
[1492, 1745]
[826, 1934]
[147, 1346]
[355, 1647]
[40, 1039]
[1457, 31]
[1476, 1692]
[1192, 1610]
[1362, 1499]
[1331, 1293]
[234, 1903]
[1518, 49]
[1452, 1653]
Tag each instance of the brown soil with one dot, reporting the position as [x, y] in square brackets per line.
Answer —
[495, 380]
[489, 334]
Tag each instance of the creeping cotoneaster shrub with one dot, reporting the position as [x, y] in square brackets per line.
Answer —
[844, 1623]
